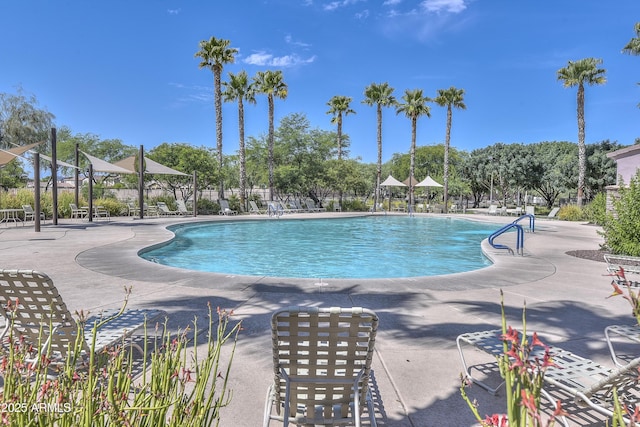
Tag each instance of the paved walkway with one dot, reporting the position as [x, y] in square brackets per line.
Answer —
[416, 368]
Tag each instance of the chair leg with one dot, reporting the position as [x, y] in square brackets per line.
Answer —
[268, 407]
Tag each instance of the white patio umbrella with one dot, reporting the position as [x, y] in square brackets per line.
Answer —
[391, 182]
[428, 182]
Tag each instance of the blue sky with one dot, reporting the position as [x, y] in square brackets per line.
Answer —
[126, 69]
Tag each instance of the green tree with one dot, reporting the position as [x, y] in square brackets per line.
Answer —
[214, 54]
[578, 73]
[188, 159]
[449, 98]
[380, 95]
[413, 106]
[339, 106]
[21, 121]
[271, 83]
[239, 89]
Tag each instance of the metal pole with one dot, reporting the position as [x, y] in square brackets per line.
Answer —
[36, 190]
[90, 213]
[195, 194]
[76, 177]
[54, 176]
[141, 181]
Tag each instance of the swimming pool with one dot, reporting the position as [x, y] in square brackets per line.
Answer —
[339, 248]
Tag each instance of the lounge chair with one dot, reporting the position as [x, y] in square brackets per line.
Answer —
[30, 214]
[76, 212]
[553, 213]
[182, 208]
[101, 212]
[493, 210]
[40, 307]
[587, 382]
[225, 209]
[254, 209]
[322, 363]
[164, 210]
[311, 206]
[132, 209]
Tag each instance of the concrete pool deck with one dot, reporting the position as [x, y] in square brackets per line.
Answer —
[416, 367]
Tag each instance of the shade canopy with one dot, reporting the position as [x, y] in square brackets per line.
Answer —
[428, 182]
[8, 155]
[150, 167]
[392, 182]
[413, 181]
[100, 165]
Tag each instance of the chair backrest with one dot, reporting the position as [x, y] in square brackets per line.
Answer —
[312, 345]
[182, 207]
[553, 212]
[224, 204]
[27, 209]
[253, 205]
[39, 306]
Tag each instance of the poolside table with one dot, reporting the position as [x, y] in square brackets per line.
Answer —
[11, 215]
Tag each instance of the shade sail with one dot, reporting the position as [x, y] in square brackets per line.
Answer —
[428, 182]
[414, 181]
[103, 166]
[7, 155]
[151, 167]
[392, 182]
[59, 162]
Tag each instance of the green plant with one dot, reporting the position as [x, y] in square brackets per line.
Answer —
[183, 382]
[207, 207]
[621, 229]
[523, 373]
[596, 211]
[570, 213]
[114, 206]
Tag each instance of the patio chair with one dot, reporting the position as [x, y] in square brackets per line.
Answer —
[311, 206]
[587, 382]
[30, 214]
[553, 213]
[493, 210]
[182, 208]
[164, 210]
[254, 209]
[225, 209]
[322, 363]
[40, 307]
[76, 212]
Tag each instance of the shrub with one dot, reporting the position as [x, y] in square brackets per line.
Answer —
[175, 387]
[570, 213]
[208, 207]
[114, 206]
[622, 228]
[355, 205]
[596, 211]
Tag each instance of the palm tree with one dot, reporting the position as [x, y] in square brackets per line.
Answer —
[271, 83]
[413, 105]
[577, 73]
[339, 106]
[449, 98]
[380, 95]
[239, 89]
[633, 47]
[214, 54]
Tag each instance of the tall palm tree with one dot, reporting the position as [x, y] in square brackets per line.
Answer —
[380, 95]
[413, 105]
[577, 73]
[271, 83]
[449, 98]
[339, 106]
[239, 89]
[633, 47]
[214, 54]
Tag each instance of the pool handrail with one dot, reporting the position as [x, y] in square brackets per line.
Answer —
[532, 221]
[504, 229]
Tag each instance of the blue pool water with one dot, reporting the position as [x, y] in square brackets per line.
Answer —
[358, 248]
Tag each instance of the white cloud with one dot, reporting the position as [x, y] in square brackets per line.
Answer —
[289, 40]
[173, 11]
[392, 2]
[269, 60]
[451, 6]
[363, 15]
[338, 4]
